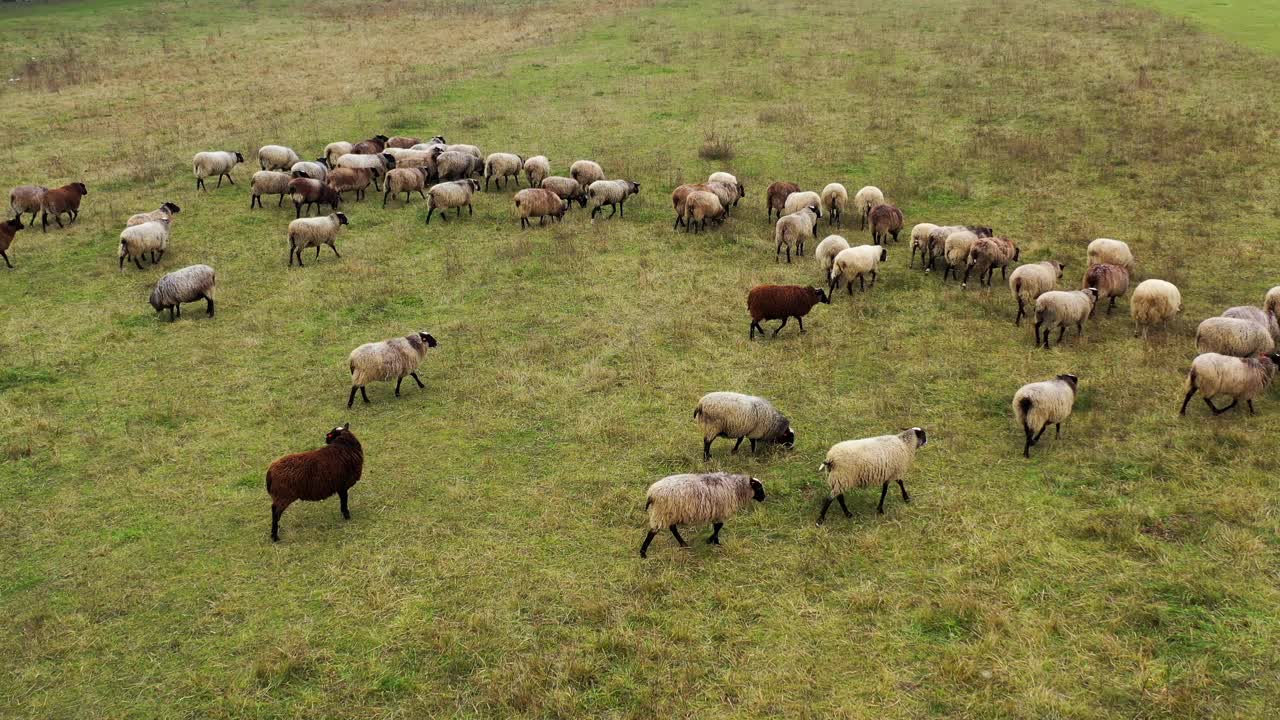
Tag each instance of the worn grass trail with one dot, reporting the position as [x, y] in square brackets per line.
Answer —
[1128, 570]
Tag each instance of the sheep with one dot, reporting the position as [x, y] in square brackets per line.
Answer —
[886, 222]
[700, 207]
[858, 262]
[1257, 315]
[316, 474]
[1154, 301]
[400, 141]
[537, 169]
[501, 166]
[9, 229]
[1241, 378]
[405, 180]
[410, 159]
[539, 203]
[65, 199]
[335, 150]
[956, 252]
[827, 251]
[1111, 252]
[1232, 336]
[697, 498]
[393, 359]
[452, 165]
[860, 463]
[437, 141]
[347, 179]
[373, 146]
[586, 172]
[1038, 405]
[728, 179]
[1030, 281]
[195, 282]
[920, 241]
[268, 182]
[168, 210]
[801, 199]
[471, 150]
[305, 191]
[567, 188]
[727, 194]
[987, 254]
[834, 199]
[937, 244]
[776, 197]
[27, 198]
[314, 232]
[448, 195]
[316, 170]
[376, 164]
[794, 229]
[1060, 309]
[1112, 281]
[276, 157]
[734, 415]
[138, 240]
[781, 302]
[864, 201]
[216, 162]
[1271, 302]
[613, 193]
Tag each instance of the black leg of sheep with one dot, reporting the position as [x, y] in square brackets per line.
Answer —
[275, 523]
[342, 498]
[644, 548]
[676, 534]
[884, 490]
[715, 534]
[844, 508]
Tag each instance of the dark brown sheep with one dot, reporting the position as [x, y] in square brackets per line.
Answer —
[8, 229]
[315, 474]
[886, 222]
[776, 196]
[65, 199]
[1112, 281]
[780, 302]
[372, 146]
[306, 191]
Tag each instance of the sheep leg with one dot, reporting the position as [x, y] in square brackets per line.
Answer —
[57, 217]
[407, 194]
[884, 490]
[1017, 320]
[679, 539]
[644, 547]
[715, 534]
[178, 307]
[1187, 399]
[424, 196]
[1036, 440]
[1037, 333]
[1061, 331]
[801, 321]
[524, 223]
[736, 445]
[471, 210]
[332, 247]
[788, 254]
[300, 249]
[253, 201]
[342, 498]
[706, 448]
[219, 182]
[622, 210]
[317, 252]
[905, 497]
[230, 179]
[136, 262]
[843, 507]
[613, 210]
[200, 184]
[352, 398]
[398, 381]
[753, 446]
[1216, 411]
[276, 512]
[385, 195]
[1026, 449]
[297, 209]
[6, 260]
[849, 286]
[823, 514]
[209, 307]
[1112, 306]
[542, 221]
[279, 203]
[1057, 430]
[784, 324]
[755, 325]
[429, 211]
[364, 395]
[1251, 410]
[172, 317]
[874, 274]
[414, 375]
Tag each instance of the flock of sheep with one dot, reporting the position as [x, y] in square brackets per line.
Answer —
[1237, 357]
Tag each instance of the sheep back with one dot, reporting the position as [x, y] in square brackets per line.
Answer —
[827, 251]
[1043, 403]
[1154, 301]
[777, 302]
[1232, 336]
[388, 359]
[697, 498]
[735, 415]
[183, 286]
[871, 461]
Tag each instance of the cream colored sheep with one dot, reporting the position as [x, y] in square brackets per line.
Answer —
[1154, 301]
[407, 181]
[1257, 315]
[613, 193]
[794, 229]
[138, 240]
[537, 169]
[798, 201]
[166, 210]
[220, 163]
[701, 206]
[1028, 282]
[500, 166]
[834, 199]
[586, 172]
[697, 498]
[920, 241]
[862, 463]
[393, 359]
[314, 232]
[1061, 309]
[858, 261]
[864, 201]
[276, 157]
[268, 182]
[1241, 378]
[734, 415]
[453, 194]
[956, 252]
[827, 251]
[1038, 405]
[1111, 252]
[1232, 336]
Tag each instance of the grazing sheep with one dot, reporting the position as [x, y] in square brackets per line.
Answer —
[861, 463]
[864, 201]
[937, 245]
[1111, 281]
[393, 359]
[794, 229]
[216, 162]
[586, 172]
[537, 169]
[347, 179]
[276, 157]
[920, 241]
[167, 210]
[1241, 378]
[373, 146]
[1271, 303]
[567, 188]
[734, 415]
[697, 498]
[727, 193]
[405, 180]
[306, 168]
[455, 194]
[1038, 405]
[1256, 314]
[800, 200]
[539, 203]
[452, 165]
[65, 199]
[335, 150]
[1030, 281]
[781, 302]
[27, 198]
[1153, 301]
[315, 475]
[986, 254]
[424, 160]
[1111, 252]
[700, 207]
[857, 261]
[613, 193]
[314, 232]
[305, 191]
[9, 229]
[400, 141]
[268, 182]
[886, 222]
[827, 251]
[195, 282]
[776, 197]
[138, 240]
[834, 200]
[377, 165]
[1232, 336]
[471, 150]
[728, 179]
[501, 166]
[437, 141]
[956, 252]
[1060, 309]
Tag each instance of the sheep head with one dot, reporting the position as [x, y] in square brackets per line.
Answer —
[426, 338]
[757, 490]
[336, 433]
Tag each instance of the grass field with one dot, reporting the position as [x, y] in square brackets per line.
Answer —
[1129, 570]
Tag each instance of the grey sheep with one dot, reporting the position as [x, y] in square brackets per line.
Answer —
[316, 170]
[27, 198]
[167, 210]
[276, 157]
[567, 188]
[405, 180]
[697, 498]
[1258, 315]
[500, 166]
[393, 359]
[586, 172]
[1061, 309]
[734, 415]
[216, 162]
[314, 232]
[268, 182]
[453, 165]
[192, 283]
[1242, 378]
[455, 194]
[613, 193]
[537, 169]
[1038, 405]
[794, 229]
[863, 463]
[1232, 336]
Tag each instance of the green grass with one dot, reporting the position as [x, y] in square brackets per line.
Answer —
[490, 569]
[1251, 23]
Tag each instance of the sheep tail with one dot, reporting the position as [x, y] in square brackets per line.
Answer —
[1025, 406]
[268, 481]
[697, 411]
[647, 503]
[826, 466]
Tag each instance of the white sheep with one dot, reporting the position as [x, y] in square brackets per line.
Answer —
[1061, 309]
[567, 188]
[306, 168]
[857, 261]
[864, 201]
[405, 180]
[501, 166]
[268, 182]
[537, 169]
[834, 200]
[862, 463]
[453, 194]
[314, 232]
[956, 252]
[1030, 281]
[377, 164]
[827, 251]
[195, 282]
[276, 157]
[794, 229]
[393, 359]
[920, 241]
[1111, 252]
[166, 210]
[734, 415]
[1232, 336]
[335, 150]
[701, 206]
[731, 180]
[586, 172]
[798, 201]
[1038, 405]
[1154, 301]
[613, 193]
[471, 150]
[1256, 314]
[217, 162]
[138, 240]
[1241, 378]
[697, 498]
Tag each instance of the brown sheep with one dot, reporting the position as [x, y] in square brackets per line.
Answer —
[407, 181]
[885, 221]
[539, 203]
[373, 146]
[8, 229]
[987, 254]
[701, 206]
[315, 475]
[1112, 281]
[776, 196]
[307, 191]
[344, 179]
[65, 199]
[780, 302]
[400, 141]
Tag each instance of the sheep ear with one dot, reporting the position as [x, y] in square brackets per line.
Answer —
[346, 425]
